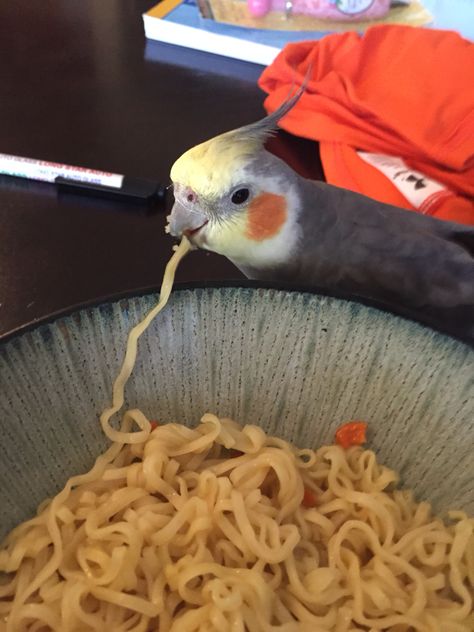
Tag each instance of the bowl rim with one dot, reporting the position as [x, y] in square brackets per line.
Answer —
[115, 297]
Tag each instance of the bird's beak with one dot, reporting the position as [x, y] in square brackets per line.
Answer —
[185, 221]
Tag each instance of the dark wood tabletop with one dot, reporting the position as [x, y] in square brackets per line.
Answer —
[80, 85]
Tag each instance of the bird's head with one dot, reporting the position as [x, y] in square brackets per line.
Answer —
[235, 198]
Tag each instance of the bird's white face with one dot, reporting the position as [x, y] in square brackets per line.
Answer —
[252, 221]
[236, 199]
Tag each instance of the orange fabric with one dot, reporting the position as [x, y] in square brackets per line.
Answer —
[395, 90]
[344, 168]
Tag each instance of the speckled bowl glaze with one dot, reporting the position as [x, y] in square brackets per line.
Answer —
[296, 363]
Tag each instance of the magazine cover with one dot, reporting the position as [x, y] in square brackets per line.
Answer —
[312, 15]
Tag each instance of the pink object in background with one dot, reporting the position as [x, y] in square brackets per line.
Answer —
[342, 10]
[259, 8]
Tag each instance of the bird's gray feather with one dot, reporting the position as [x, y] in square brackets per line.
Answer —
[419, 265]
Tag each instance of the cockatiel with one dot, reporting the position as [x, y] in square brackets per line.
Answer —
[235, 198]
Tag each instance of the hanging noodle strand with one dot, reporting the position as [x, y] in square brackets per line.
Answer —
[131, 356]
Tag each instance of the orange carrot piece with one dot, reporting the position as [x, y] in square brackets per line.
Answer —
[309, 498]
[352, 433]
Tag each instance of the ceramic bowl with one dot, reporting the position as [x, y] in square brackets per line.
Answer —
[298, 364]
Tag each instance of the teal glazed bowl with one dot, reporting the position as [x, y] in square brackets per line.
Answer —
[296, 363]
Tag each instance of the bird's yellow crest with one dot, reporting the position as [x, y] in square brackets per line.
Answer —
[215, 166]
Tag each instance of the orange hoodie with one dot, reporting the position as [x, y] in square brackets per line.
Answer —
[398, 92]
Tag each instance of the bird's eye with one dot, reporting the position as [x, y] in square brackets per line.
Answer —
[240, 196]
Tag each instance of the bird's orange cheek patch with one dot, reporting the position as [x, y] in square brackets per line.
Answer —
[265, 216]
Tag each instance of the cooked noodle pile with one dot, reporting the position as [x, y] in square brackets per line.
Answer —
[223, 528]
[208, 529]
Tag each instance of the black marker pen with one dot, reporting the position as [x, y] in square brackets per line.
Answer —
[83, 180]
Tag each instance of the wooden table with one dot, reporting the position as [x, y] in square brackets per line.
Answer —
[80, 85]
